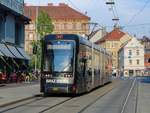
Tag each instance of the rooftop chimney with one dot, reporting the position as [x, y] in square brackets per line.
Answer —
[50, 4]
[62, 4]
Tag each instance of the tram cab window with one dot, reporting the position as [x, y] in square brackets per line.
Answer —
[59, 56]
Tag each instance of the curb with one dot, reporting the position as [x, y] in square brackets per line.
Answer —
[2, 85]
[19, 100]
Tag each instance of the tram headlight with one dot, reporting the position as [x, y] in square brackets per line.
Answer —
[68, 75]
[48, 75]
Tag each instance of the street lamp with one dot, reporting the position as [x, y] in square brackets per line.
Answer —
[110, 2]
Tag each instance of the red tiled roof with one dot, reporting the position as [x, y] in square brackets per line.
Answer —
[114, 35]
[62, 11]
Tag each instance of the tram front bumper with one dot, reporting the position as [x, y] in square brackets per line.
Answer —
[59, 88]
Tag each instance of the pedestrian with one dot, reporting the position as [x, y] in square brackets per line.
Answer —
[4, 77]
[27, 79]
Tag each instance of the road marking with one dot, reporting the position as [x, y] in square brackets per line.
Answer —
[123, 108]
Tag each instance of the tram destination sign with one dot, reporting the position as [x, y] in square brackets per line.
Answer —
[67, 47]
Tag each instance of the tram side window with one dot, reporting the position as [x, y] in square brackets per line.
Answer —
[96, 63]
[89, 61]
[85, 60]
[82, 60]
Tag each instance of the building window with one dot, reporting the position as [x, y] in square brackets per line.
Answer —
[56, 26]
[83, 26]
[130, 52]
[112, 45]
[65, 25]
[74, 26]
[26, 37]
[108, 45]
[130, 62]
[138, 62]
[114, 54]
[79, 26]
[31, 36]
[69, 26]
[137, 52]
[116, 45]
[31, 26]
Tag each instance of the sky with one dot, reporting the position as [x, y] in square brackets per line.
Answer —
[134, 15]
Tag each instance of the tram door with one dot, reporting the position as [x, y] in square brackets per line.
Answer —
[88, 69]
[85, 68]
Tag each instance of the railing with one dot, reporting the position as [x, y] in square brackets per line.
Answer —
[14, 5]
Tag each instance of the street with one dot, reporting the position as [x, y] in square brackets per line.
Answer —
[74, 56]
[120, 96]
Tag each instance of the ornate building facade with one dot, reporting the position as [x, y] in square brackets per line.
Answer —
[131, 58]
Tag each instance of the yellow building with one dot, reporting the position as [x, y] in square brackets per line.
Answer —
[65, 19]
[112, 42]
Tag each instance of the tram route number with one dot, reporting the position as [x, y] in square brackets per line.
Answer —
[56, 81]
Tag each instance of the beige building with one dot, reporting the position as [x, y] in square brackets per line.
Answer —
[97, 35]
[131, 58]
[112, 42]
[65, 19]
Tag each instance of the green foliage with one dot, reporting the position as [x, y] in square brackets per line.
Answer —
[44, 24]
[36, 56]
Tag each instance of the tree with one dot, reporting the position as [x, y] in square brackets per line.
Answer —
[43, 26]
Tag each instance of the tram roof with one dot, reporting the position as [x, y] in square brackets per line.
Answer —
[77, 38]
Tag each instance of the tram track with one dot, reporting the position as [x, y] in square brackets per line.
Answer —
[55, 105]
[134, 85]
[95, 100]
[125, 101]
[31, 101]
[137, 94]
[106, 90]
[51, 103]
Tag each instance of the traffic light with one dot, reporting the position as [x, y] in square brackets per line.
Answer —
[34, 49]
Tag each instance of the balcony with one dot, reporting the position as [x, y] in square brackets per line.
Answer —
[15, 5]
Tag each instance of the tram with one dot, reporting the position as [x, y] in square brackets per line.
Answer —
[72, 64]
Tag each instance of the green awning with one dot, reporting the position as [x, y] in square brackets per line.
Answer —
[14, 50]
[23, 53]
[6, 51]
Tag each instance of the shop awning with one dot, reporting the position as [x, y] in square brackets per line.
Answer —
[5, 51]
[14, 50]
[1, 54]
[23, 53]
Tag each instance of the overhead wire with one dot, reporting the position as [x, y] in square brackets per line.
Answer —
[133, 17]
[114, 11]
[74, 5]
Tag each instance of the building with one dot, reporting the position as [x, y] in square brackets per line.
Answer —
[131, 58]
[97, 35]
[65, 19]
[112, 42]
[12, 23]
[146, 42]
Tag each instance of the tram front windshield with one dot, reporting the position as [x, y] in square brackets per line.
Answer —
[59, 56]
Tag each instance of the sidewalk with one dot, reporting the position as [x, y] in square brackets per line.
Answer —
[12, 95]
[143, 105]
